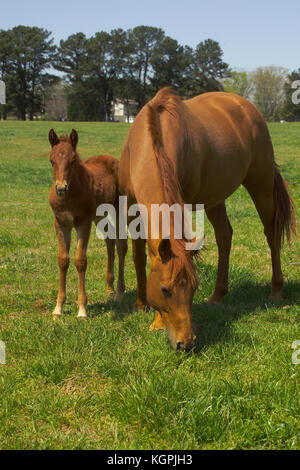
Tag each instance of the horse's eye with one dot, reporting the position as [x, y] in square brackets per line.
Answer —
[165, 291]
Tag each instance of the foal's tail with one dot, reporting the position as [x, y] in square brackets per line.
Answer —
[284, 218]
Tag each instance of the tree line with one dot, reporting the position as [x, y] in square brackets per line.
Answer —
[91, 73]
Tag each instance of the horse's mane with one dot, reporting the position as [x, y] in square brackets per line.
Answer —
[166, 101]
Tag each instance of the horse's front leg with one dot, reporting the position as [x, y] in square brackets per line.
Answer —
[122, 250]
[110, 277]
[140, 260]
[63, 234]
[83, 234]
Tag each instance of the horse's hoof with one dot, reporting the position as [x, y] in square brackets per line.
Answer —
[110, 293]
[157, 323]
[81, 317]
[56, 316]
[140, 307]
[81, 314]
[275, 296]
[155, 326]
[118, 297]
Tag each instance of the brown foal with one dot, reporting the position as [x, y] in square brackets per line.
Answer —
[78, 189]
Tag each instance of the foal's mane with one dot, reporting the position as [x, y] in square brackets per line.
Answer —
[166, 101]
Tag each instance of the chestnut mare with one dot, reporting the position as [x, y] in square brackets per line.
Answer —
[78, 188]
[199, 151]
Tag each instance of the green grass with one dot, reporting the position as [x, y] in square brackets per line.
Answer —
[108, 382]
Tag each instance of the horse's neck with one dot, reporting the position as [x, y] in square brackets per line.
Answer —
[80, 179]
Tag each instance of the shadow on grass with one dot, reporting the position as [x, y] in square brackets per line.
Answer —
[121, 310]
[212, 324]
[246, 296]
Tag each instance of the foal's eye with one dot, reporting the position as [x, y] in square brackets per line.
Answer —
[165, 291]
[52, 162]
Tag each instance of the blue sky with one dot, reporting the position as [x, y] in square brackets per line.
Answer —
[251, 32]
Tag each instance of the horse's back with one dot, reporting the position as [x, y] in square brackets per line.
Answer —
[104, 169]
[238, 144]
[102, 163]
[228, 117]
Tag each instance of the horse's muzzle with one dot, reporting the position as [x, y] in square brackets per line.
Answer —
[61, 189]
[186, 347]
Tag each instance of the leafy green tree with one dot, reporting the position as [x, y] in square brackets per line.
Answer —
[72, 59]
[238, 83]
[208, 67]
[106, 64]
[6, 50]
[132, 65]
[170, 63]
[32, 54]
[268, 84]
[143, 43]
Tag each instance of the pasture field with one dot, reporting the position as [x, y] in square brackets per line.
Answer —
[109, 383]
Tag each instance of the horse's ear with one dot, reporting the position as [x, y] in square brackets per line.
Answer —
[74, 139]
[53, 139]
[165, 250]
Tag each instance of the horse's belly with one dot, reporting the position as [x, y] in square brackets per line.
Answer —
[217, 178]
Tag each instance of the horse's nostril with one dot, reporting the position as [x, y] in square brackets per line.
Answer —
[61, 189]
[181, 346]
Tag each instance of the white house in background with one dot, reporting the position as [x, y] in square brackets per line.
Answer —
[124, 112]
[2, 93]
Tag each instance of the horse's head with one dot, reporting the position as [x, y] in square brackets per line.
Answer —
[63, 157]
[170, 289]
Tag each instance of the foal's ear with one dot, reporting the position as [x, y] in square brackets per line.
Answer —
[53, 139]
[74, 138]
[165, 250]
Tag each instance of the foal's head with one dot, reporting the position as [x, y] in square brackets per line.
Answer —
[63, 158]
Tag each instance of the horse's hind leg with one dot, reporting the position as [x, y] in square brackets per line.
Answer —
[223, 233]
[122, 250]
[263, 198]
[110, 246]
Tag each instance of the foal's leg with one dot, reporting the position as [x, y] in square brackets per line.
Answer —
[110, 246]
[263, 199]
[223, 233]
[83, 234]
[122, 250]
[140, 260]
[64, 239]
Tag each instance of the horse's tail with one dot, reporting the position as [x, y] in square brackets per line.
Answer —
[284, 218]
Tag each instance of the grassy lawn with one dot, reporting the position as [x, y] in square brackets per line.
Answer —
[110, 383]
